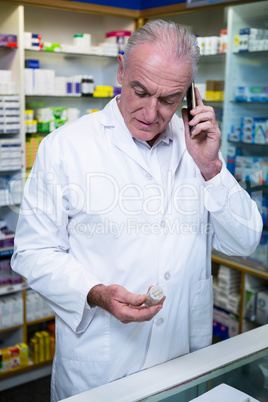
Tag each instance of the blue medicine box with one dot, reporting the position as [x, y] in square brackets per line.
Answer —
[31, 63]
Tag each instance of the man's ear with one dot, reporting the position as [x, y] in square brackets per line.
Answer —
[120, 69]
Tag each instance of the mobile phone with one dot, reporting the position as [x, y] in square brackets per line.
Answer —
[191, 103]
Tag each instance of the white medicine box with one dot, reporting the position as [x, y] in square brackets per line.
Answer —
[262, 307]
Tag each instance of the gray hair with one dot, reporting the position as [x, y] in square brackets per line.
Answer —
[171, 37]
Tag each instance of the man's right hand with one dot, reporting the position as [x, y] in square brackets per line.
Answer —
[123, 305]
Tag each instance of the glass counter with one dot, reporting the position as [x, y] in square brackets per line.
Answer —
[240, 362]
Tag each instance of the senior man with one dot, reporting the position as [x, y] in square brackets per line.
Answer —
[124, 199]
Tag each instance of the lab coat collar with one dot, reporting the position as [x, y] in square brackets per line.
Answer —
[179, 145]
[123, 140]
[120, 136]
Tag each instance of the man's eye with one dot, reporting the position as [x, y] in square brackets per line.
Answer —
[140, 94]
[167, 102]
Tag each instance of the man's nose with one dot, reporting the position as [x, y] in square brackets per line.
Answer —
[150, 110]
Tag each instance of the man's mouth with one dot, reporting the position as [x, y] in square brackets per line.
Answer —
[146, 124]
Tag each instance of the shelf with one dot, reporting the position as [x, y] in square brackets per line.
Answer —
[12, 288]
[69, 96]
[210, 102]
[10, 329]
[241, 264]
[31, 366]
[8, 251]
[212, 58]
[40, 320]
[69, 53]
[249, 102]
[247, 144]
[8, 48]
[10, 169]
[255, 52]
[13, 132]
[253, 187]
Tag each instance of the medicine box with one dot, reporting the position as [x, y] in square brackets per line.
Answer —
[40, 348]
[254, 130]
[261, 252]
[251, 94]
[225, 325]
[262, 307]
[23, 354]
[15, 357]
[32, 63]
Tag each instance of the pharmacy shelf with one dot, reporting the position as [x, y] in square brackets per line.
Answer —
[10, 169]
[250, 102]
[12, 288]
[249, 145]
[219, 57]
[10, 133]
[7, 251]
[11, 329]
[75, 54]
[241, 264]
[248, 269]
[26, 369]
[40, 320]
[247, 52]
[26, 374]
[69, 97]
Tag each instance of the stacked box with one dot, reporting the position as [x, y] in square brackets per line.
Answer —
[254, 130]
[7, 85]
[36, 307]
[214, 90]
[31, 147]
[6, 359]
[103, 91]
[32, 41]
[251, 40]
[15, 357]
[251, 94]
[251, 298]
[9, 114]
[261, 253]
[10, 154]
[23, 354]
[11, 311]
[252, 169]
[225, 325]
[8, 40]
[40, 347]
[39, 81]
[262, 307]
[226, 289]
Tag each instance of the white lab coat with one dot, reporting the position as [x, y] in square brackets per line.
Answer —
[92, 213]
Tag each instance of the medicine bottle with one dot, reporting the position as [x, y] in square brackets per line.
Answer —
[87, 85]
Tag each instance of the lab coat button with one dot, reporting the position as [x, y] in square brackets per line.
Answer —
[159, 321]
[163, 224]
[167, 276]
[148, 176]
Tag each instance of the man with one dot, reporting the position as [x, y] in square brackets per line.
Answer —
[124, 199]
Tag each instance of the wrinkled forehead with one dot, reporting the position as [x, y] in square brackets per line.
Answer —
[155, 53]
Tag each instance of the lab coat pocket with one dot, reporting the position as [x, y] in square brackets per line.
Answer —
[92, 345]
[201, 315]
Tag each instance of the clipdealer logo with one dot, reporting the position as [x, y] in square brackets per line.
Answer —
[103, 195]
[134, 227]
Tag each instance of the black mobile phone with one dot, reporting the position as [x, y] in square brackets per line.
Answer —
[191, 102]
